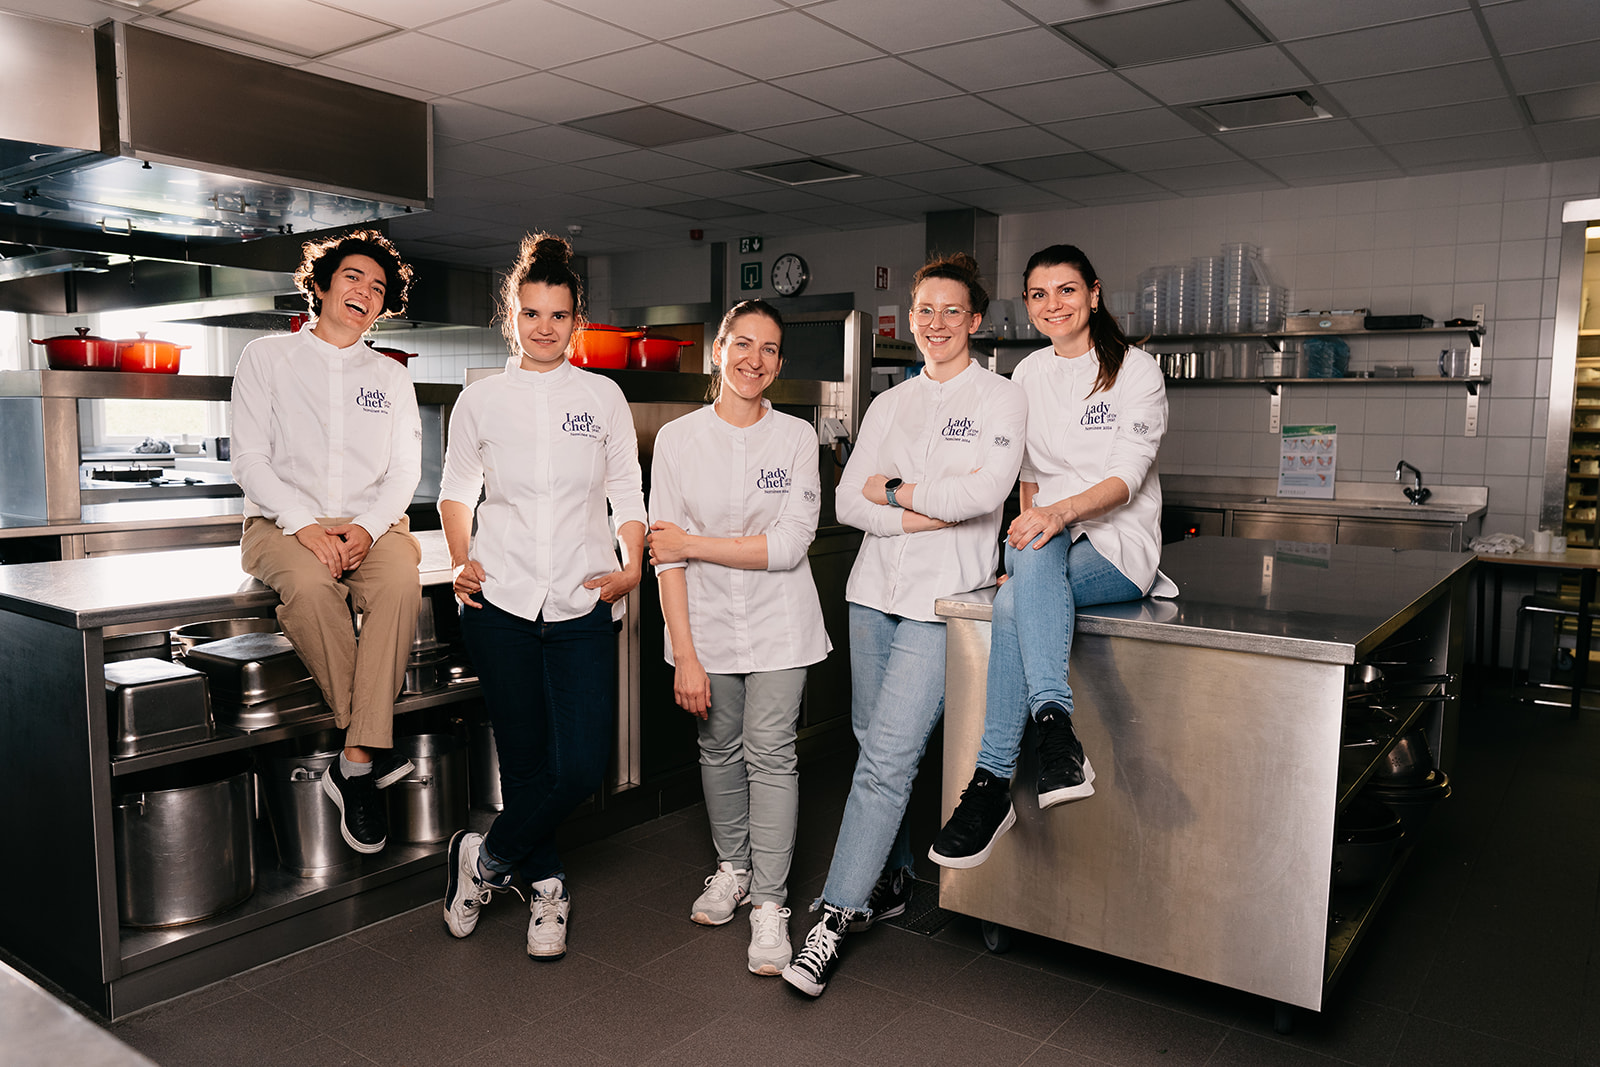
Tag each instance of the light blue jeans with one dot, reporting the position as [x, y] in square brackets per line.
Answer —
[897, 696]
[1028, 662]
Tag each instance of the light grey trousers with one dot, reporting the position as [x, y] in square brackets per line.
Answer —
[750, 775]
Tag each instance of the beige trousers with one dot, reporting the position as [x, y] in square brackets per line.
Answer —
[359, 680]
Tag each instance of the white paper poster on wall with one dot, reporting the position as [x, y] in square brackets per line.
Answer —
[1306, 462]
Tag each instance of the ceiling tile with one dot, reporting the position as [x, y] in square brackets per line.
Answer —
[1569, 140]
[1104, 185]
[663, 21]
[705, 210]
[482, 159]
[862, 190]
[653, 73]
[1209, 176]
[534, 32]
[1249, 72]
[298, 26]
[548, 97]
[844, 216]
[1436, 122]
[1323, 135]
[1429, 42]
[638, 194]
[751, 107]
[899, 27]
[548, 180]
[732, 150]
[1063, 10]
[408, 13]
[822, 137]
[346, 74]
[874, 83]
[776, 45]
[915, 206]
[999, 201]
[431, 64]
[720, 184]
[1332, 164]
[1051, 168]
[780, 200]
[1458, 83]
[1130, 127]
[643, 165]
[940, 118]
[896, 159]
[1527, 25]
[1023, 142]
[558, 144]
[1554, 68]
[960, 179]
[471, 122]
[1289, 19]
[1012, 59]
[1069, 98]
[1467, 150]
[1565, 105]
[1167, 154]
[1177, 30]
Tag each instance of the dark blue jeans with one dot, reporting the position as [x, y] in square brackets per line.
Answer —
[550, 689]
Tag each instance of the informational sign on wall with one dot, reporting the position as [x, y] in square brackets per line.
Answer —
[749, 276]
[748, 245]
[1306, 462]
[888, 320]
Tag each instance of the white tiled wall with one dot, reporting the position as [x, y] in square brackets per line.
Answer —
[1434, 245]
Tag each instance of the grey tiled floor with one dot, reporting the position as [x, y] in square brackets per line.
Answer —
[1486, 953]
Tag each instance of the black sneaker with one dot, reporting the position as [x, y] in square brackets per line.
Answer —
[889, 898]
[363, 820]
[814, 963]
[985, 812]
[389, 766]
[1064, 771]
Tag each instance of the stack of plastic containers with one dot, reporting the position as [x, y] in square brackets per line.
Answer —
[1239, 261]
[1208, 294]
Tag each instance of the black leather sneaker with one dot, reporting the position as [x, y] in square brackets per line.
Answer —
[363, 817]
[985, 813]
[389, 766]
[889, 898]
[1064, 771]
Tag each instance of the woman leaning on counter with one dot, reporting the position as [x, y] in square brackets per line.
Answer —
[540, 585]
[934, 461]
[735, 494]
[1089, 533]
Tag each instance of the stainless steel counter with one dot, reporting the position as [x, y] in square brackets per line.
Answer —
[1320, 603]
[35, 1027]
[1377, 500]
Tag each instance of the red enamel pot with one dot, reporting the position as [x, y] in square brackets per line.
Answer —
[148, 356]
[79, 353]
[597, 345]
[655, 353]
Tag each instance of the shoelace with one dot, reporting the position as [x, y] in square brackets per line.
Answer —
[722, 885]
[486, 891]
[974, 801]
[769, 926]
[822, 944]
[547, 906]
[1057, 741]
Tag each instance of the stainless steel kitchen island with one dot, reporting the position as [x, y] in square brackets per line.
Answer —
[1214, 722]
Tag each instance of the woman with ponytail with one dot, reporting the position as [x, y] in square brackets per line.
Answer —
[540, 584]
[1089, 533]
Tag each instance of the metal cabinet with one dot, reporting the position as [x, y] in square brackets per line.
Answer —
[1267, 526]
[1398, 533]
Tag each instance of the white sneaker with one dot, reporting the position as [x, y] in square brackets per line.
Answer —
[464, 892]
[547, 929]
[725, 891]
[769, 939]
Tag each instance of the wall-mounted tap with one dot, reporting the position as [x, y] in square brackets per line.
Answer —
[1414, 493]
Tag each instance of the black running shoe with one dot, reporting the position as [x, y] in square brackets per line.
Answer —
[1064, 771]
[389, 766]
[889, 898]
[363, 817]
[985, 812]
[814, 963]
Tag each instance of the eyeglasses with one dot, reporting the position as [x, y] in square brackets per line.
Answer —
[925, 316]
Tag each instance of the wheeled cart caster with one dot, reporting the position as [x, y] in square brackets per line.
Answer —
[996, 937]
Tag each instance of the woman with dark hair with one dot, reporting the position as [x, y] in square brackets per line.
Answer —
[1089, 533]
[540, 585]
[735, 494]
[933, 462]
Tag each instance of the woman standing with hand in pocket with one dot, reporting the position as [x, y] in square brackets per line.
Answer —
[735, 495]
[540, 584]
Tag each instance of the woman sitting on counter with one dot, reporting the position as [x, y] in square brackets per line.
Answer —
[934, 461]
[1089, 533]
[540, 585]
[735, 494]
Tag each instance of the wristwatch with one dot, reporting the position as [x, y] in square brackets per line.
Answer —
[888, 490]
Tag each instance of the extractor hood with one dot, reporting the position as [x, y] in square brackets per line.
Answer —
[127, 131]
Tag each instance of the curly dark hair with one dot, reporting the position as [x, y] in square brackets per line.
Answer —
[322, 258]
[543, 259]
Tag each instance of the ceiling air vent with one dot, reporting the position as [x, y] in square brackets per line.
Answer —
[800, 172]
[1162, 32]
[647, 127]
[1282, 109]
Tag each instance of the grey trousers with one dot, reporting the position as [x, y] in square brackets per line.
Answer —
[750, 775]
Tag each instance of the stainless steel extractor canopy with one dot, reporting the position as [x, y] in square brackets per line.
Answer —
[121, 129]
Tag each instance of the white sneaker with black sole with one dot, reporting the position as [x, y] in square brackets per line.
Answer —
[465, 892]
[725, 891]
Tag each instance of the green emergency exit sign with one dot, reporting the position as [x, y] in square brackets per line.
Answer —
[749, 245]
[749, 276]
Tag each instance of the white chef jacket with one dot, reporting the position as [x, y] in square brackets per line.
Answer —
[548, 449]
[1076, 441]
[960, 443]
[324, 432]
[718, 480]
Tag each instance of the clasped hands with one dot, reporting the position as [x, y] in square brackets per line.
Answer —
[340, 548]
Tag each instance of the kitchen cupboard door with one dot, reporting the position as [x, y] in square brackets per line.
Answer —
[1397, 533]
[1285, 527]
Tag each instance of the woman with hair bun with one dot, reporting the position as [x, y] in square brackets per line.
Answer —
[735, 494]
[540, 585]
[934, 460]
[1089, 533]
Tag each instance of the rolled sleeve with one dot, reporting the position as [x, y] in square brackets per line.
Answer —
[666, 488]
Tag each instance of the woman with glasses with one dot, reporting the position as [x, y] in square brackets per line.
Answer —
[1089, 533]
[735, 494]
[933, 462]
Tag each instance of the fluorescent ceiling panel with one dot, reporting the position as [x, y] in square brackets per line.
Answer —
[647, 127]
[1168, 31]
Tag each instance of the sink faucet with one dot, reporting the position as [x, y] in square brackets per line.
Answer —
[1414, 493]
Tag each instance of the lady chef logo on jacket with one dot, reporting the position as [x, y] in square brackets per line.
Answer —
[775, 480]
[1098, 417]
[959, 430]
[371, 399]
[581, 424]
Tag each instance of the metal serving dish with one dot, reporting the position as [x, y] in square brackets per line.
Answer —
[250, 668]
[201, 633]
[295, 707]
[155, 704]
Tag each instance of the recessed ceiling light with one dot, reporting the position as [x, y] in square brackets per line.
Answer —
[800, 172]
[1163, 32]
[1281, 109]
[647, 127]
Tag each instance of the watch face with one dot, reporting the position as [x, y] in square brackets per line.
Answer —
[789, 274]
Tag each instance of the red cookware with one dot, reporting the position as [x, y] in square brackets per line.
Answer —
[79, 353]
[655, 353]
[597, 345]
[147, 356]
[402, 358]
